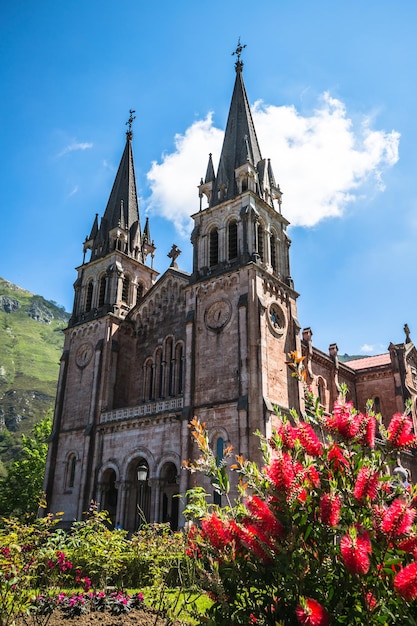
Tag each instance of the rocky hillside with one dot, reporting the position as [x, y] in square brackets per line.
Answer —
[31, 342]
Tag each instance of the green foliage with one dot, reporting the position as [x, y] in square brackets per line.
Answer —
[97, 549]
[21, 489]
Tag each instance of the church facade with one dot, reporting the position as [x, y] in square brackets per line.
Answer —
[145, 353]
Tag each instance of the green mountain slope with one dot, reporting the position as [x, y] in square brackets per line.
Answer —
[31, 342]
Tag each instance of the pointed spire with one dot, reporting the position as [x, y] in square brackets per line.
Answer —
[240, 144]
[210, 175]
[120, 225]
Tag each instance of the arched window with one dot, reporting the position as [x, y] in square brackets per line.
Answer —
[219, 453]
[179, 367]
[102, 291]
[125, 289]
[273, 243]
[169, 369]
[261, 250]
[89, 299]
[232, 240]
[158, 374]
[148, 381]
[71, 467]
[214, 247]
[377, 405]
[140, 291]
[321, 391]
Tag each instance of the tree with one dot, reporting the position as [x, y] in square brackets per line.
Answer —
[21, 489]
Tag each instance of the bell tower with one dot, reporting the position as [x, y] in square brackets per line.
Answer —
[109, 284]
[241, 295]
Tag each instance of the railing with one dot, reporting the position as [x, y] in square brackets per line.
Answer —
[142, 410]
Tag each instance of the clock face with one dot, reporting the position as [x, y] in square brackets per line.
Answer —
[84, 354]
[276, 319]
[218, 314]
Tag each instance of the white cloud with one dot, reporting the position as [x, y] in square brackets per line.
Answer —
[75, 145]
[367, 348]
[73, 191]
[320, 161]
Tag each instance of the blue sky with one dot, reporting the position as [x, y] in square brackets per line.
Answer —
[335, 99]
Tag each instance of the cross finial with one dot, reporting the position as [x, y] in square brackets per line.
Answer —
[238, 53]
[173, 254]
[132, 117]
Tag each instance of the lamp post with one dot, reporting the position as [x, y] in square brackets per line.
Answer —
[142, 475]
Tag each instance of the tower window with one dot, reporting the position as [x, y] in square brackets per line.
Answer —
[232, 236]
[89, 299]
[214, 247]
[125, 289]
[261, 243]
[273, 242]
[219, 452]
[102, 291]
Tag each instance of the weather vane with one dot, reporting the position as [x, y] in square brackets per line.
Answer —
[238, 50]
[129, 123]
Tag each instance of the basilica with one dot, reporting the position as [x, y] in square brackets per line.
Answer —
[144, 353]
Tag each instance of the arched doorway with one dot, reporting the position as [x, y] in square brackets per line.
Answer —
[109, 494]
[169, 495]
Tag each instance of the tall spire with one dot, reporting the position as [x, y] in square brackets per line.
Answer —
[120, 225]
[240, 144]
[241, 165]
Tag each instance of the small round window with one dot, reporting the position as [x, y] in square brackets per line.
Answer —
[276, 319]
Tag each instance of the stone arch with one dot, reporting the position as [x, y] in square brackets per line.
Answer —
[168, 471]
[108, 490]
[139, 471]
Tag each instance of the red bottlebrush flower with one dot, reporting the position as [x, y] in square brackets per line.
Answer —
[409, 545]
[215, 530]
[368, 427]
[344, 420]
[337, 458]
[399, 432]
[261, 512]
[355, 549]
[330, 505]
[312, 476]
[286, 432]
[281, 472]
[370, 600]
[405, 582]
[309, 612]
[366, 484]
[250, 536]
[397, 518]
[308, 439]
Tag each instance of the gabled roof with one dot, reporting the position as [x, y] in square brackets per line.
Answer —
[369, 361]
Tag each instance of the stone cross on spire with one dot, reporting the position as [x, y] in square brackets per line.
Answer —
[129, 122]
[173, 254]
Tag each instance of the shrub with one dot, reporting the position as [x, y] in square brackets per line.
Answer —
[321, 534]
